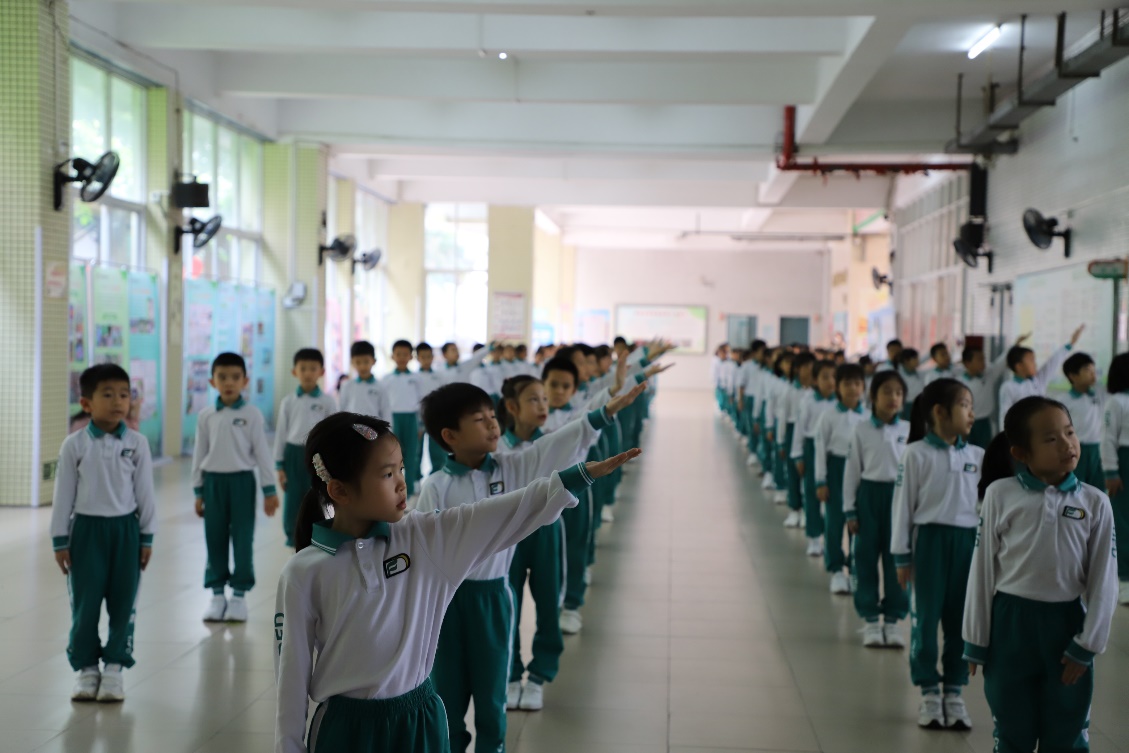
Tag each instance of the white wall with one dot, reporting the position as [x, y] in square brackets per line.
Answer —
[768, 285]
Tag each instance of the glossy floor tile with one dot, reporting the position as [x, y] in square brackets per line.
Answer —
[707, 631]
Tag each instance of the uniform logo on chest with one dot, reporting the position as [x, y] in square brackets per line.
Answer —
[317, 408]
[127, 453]
[396, 565]
[497, 487]
[970, 468]
[1074, 513]
[239, 422]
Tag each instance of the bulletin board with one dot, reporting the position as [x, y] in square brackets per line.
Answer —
[685, 326]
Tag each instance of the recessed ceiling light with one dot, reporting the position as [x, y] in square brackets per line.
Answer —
[984, 42]
[502, 56]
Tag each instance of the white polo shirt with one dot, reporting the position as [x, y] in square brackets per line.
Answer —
[297, 414]
[1115, 435]
[1087, 412]
[365, 396]
[402, 389]
[811, 406]
[1015, 389]
[874, 454]
[232, 439]
[833, 432]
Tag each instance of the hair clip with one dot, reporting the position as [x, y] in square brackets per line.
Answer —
[320, 470]
[365, 431]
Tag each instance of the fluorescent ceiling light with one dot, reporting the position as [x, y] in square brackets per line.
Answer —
[984, 42]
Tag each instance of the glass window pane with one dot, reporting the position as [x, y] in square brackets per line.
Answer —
[439, 222]
[249, 260]
[225, 196]
[127, 125]
[250, 185]
[473, 246]
[204, 159]
[225, 252]
[470, 302]
[439, 325]
[86, 238]
[88, 110]
[124, 236]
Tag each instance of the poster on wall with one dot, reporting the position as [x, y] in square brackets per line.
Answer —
[593, 326]
[507, 316]
[199, 303]
[335, 348]
[685, 326]
[879, 331]
[109, 294]
[262, 386]
[145, 356]
[77, 338]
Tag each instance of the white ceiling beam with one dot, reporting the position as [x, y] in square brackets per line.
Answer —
[535, 192]
[612, 169]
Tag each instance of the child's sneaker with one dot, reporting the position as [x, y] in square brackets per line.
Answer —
[892, 635]
[752, 461]
[112, 689]
[780, 498]
[236, 610]
[840, 583]
[872, 636]
[216, 609]
[1123, 594]
[86, 685]
[956, 713]
[769, 482]
[815, 547]
[513, 695]
[793, 520]
[570, 621]
[932, 713]
[606, 515]
[532, 697]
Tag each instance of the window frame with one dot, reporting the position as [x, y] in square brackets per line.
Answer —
[461, 273]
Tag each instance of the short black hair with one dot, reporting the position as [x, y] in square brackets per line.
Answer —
[557, 363]
[1016, 355]
[800, 361]
[448, 346]
[969, 353]
[309, 354]
[402, 344]
[937, 348]
[880, 379]
[566, 353]
[602, 351]
[423, 347]
[362, 348]
[619, 340]
[1118, 379]
[229, 359]
[894, 343]
[585, 349]
[908, 354]
[866, 361]
[477, 347]
[821, 365]
[756, 345]
[100, 374]
[847, 372]
[445, 407]
[1076, 363]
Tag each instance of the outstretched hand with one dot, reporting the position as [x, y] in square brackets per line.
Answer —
[1077, 334]
[616, 404]
[620, 375]
[657, 369]
[606, 467]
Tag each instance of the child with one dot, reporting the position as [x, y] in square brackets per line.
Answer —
[866, 363]
[1086, 403]
[429, 381]
[868, 497]
[833, 432]
[800, 385]
[378, 579]
[487, 376]
[403, 391]
[983, 380]
[717, 367]
[297, 414]
[933, 533]
[231, 442]
[1115, 458]
[364, 394]
[1043, 585]
[893, 353]
[1027, 381]
[473, 655]
[908, 361]
[817, 402]
[102, 524]
[455, 370]
[942, 363]
[776, 408]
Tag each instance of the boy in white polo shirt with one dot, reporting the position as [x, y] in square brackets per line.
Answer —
[363, 394]
[102, 526]
[403, 395]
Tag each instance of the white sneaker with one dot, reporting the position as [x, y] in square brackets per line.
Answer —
[752, 460]
[513, 695]
[86, 685]
[793, 520]
[587, 576]
[892, 634]
[932, 713]
[112, 689]
[236, 610]
[840, 583]
[956, 713]
[815, 547]
[216, 609]
[780, 497]
[607, 516]
[769, 482]
[533, 697]
[570, 621]
[1123, 594]
[872, 635]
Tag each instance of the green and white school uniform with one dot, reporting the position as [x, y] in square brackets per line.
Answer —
[372, 608]
[364, 396]
[462, 371]
[985, 390]
[473, 659]
[1115, 463]
[833, 432]
[1015, 389]
[231, 443]
[791, 402]
[1087, 412]
[403, 390]
[1043, 587]
[104, 513]
[938, 373]
[915, 385]
[811, 407]
[429, 381]
[873, 458]
[934, 531]
[486, 378]
[297, 415]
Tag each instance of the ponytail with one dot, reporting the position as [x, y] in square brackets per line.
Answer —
[941, 392]
[998, 460]
[312, 511]
[511, 390]
[998, 463]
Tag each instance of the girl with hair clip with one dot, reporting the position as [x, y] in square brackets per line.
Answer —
[1115, 458]
[776, 409]
[800, 379]
[816, 403]
[367, 591]
[933, 535]
[1043, 585]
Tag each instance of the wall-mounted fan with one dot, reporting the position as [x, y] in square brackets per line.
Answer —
[1043, 230]
[95, 177]
[368, 261]
[880, 279]
[971, 255]
[341, 249]
[295, 295]
[201, 231]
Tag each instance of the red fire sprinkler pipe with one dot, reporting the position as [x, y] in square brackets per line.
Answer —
[786, 162]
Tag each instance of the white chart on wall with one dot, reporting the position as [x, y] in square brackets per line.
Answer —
[1052, 304]
[685, 326]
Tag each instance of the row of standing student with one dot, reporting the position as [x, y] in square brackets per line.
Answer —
[909, 495]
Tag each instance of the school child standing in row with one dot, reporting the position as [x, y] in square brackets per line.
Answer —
[1043, 585]
[933, 534]
[816, 402]
[1086, 403]
[231, 444]
[776, 412]
[717, 366]
[368, 590]
[363, 394]
[908, 361]
[869, 480]
[833, 433]
[789, 414]
[893, 355]
[429, 380]
[103, 518]
[455, 370]
[748, 384]
[403, 390]
[1115, 458]
[1027, 380]
[942, 364]
[297, 414]
[983, 379]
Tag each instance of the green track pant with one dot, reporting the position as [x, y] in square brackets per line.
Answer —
[105, 566]
[229, 527]
[870, 552]
[813, 510]
[472, 660]
[795, 483]
[833, 556]
[578, 529]
[1121, 511]
[406, 428]
[297, 484]
[437, 454]
[540, 556]
[415, 722]
[1023, 677]
[981, 434]
[1089, 468]
[942, 557]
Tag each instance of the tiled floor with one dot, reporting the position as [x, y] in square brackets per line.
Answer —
[707, 630]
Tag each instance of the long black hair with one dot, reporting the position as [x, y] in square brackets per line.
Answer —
[880, 379]
[511, 390]
[1118, 380]
[344, 451]
[941, 392]
[998, 461]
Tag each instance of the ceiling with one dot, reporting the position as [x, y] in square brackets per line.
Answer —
[659, 111]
